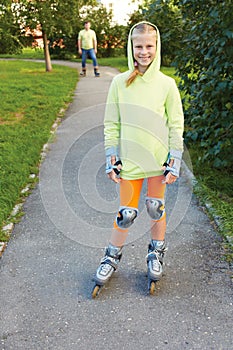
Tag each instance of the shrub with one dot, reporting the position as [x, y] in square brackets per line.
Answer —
[205, 67]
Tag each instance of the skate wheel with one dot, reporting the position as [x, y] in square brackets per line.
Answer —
[95, 291]
[152, 287]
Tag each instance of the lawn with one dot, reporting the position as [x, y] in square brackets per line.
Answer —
[31, 100]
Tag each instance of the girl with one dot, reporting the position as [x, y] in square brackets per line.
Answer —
[143, 130]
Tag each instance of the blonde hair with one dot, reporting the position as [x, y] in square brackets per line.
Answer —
[141, 28]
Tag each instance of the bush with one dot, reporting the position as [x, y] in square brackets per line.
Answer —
[9, 44]
[205, 67]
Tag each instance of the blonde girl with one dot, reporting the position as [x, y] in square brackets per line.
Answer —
[143, 130]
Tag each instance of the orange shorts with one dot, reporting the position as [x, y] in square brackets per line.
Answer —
[130, 191]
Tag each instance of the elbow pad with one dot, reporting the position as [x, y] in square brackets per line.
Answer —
[174, 157]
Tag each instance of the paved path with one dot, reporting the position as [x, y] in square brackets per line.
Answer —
[46, 270]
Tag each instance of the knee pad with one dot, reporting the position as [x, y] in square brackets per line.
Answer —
[126, 217]
[155, 208]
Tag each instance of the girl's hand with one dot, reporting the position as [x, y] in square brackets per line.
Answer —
[113, 174]
[169, 177]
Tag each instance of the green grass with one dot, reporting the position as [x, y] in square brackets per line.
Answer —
[31, 100]
[214, 187]
[27, 53]
[119, 63]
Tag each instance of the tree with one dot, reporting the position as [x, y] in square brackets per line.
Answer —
[53, 17]
[205, 67]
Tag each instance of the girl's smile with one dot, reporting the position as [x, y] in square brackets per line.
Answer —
[144, 50]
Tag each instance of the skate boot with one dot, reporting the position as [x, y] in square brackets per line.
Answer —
[83, 73]
[107, 266]
[97, 74]
[155, 263]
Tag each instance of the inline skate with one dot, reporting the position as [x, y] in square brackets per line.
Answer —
[107, 266]
[155, 263]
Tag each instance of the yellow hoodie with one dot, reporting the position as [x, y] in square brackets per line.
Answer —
[144, 121]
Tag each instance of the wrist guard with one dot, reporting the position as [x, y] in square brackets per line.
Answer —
[173, 163]
[112, 152]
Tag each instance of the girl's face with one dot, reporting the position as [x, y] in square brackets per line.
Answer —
[144, 50]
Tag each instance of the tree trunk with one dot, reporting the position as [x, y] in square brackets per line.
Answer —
[46, 53]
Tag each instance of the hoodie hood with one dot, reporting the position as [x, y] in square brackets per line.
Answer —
[155, 65]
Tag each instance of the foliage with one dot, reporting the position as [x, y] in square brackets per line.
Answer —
[9, 30]
[167, 16]
[205, 67]
[113, 41]
[52, 16]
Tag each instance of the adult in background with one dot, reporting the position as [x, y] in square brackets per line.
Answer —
[87, 47]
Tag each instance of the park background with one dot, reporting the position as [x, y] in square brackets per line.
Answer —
[197, 51]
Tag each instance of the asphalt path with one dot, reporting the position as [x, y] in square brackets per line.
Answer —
[47, 269]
